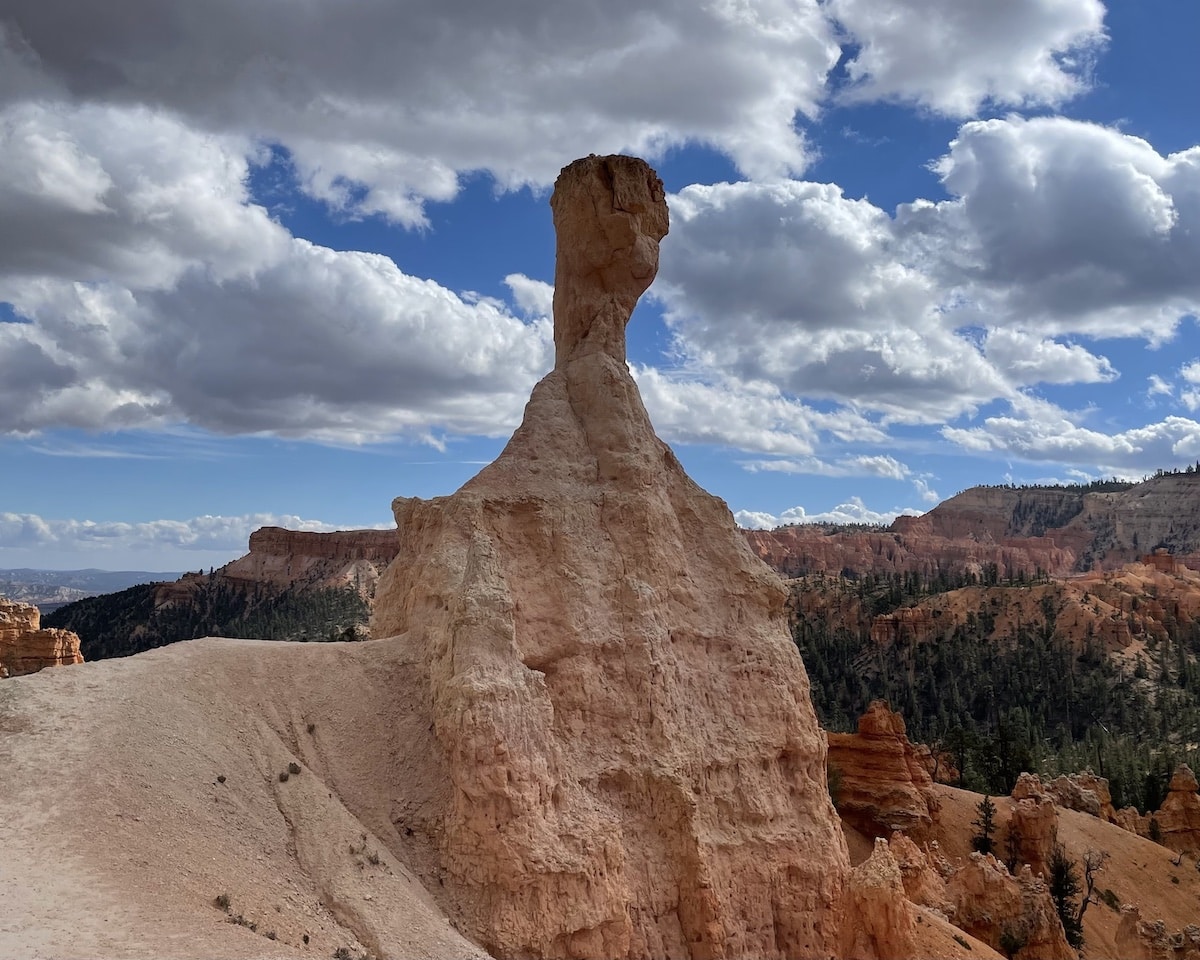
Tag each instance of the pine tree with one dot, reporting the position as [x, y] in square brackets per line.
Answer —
[986, 822]
[1064, 891]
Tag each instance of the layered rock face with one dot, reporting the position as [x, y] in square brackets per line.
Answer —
[883, 785]
[1059, 530]
[910, 547]
[636, 769]
[288, 558]
[26, 648]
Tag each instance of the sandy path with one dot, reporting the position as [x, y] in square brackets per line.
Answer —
[118, 835]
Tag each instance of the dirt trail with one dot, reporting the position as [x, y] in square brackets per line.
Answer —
[137, 791]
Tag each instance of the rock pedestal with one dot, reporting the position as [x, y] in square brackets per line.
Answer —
[636, 769]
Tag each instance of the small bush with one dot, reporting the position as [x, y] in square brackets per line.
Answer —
[312, 727]
[222, 902]
[283, 776]
[1012, 941]
[1174, 879]
[961, 942]
[1110, 899]
[220, 778]
[373, 858]
[293, 767]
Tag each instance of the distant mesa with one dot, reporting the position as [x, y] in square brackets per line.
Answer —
[1005, 531]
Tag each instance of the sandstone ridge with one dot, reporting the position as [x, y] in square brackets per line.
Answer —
[635, 764]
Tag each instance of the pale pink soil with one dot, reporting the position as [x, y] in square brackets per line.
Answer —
[117, 836]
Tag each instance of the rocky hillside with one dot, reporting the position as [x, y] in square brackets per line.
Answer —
[1009, 531]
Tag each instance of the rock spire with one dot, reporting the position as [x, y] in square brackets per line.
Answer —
[634, 768]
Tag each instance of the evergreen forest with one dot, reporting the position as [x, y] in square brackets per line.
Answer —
[1031, 700]
[128, 622]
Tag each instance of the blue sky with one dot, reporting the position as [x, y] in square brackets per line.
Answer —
[266, 263]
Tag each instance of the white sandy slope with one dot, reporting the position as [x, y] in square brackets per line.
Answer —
[116, 835]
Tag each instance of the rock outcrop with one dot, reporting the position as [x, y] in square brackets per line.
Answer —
[999, 909]
[1058, 530]
[635, 766]
[1179, 816]
[26, 648]
[885, 922]
[1114, 612]
[1033, 824]
[908, 547]
[882, 785]
[923, 872]
[1084, 792]
[1139, 939]
[1176, 824]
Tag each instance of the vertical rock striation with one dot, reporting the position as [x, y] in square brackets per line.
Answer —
[636, 769]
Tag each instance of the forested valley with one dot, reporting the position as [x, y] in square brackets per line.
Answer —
[1028, 695]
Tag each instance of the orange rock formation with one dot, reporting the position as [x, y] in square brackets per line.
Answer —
[886, 921]
[635, 766]
[1085, 792]
[882, 783]
[1139, 939]
[923, 872]
[1034, 823]
[988, 903]
[1179, 815]
[26, 648]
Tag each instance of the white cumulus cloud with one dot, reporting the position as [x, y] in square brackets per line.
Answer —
[956, 56]
[852, 511]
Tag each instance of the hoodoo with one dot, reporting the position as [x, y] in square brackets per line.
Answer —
[635, 766]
